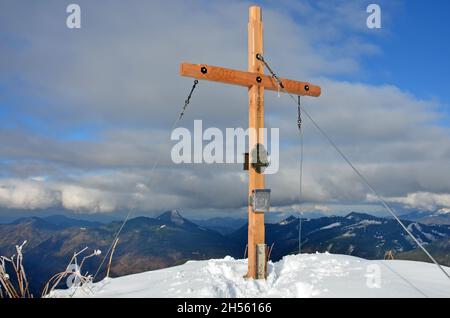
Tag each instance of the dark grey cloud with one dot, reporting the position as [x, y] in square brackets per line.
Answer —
[119, 74]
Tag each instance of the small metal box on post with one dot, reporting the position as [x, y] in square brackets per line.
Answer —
[260, 203]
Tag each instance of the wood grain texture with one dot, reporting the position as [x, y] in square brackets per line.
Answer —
[247, 79]
[256, 228]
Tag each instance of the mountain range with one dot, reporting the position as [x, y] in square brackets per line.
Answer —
[356, 234]
[441, 216]
[144, 244]
[170, 239]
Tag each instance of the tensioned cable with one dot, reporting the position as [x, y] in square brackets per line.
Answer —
[155, 164]
[130, 212]
[300, 131]
[347, 160]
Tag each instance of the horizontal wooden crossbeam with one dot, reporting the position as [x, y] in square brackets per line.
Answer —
[248, 79]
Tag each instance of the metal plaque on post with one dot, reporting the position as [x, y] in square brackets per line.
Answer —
[260, 200]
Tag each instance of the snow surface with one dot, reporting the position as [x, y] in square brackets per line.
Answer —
[332, 225]
[305, 275]
[443, 211]
[363, 224]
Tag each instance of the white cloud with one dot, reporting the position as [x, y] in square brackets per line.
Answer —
[90, 200]
[22, 194]
[422, 201]
[321, 208]
[30, 194]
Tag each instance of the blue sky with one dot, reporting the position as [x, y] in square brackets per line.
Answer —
[416, 53]
[414, 49]
[85, 111]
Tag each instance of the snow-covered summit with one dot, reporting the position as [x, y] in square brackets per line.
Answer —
[305, 275]
[172, 216]
[443, 211]
[288, 220]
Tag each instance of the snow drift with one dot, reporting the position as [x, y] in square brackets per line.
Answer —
[305, 275]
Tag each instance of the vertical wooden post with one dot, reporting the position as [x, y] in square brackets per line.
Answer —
[256, 231]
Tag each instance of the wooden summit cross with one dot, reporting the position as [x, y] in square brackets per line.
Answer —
[256, 82]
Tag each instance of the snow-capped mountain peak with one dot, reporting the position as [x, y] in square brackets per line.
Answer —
[443, 211]
[288, 220]
[173, 216]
